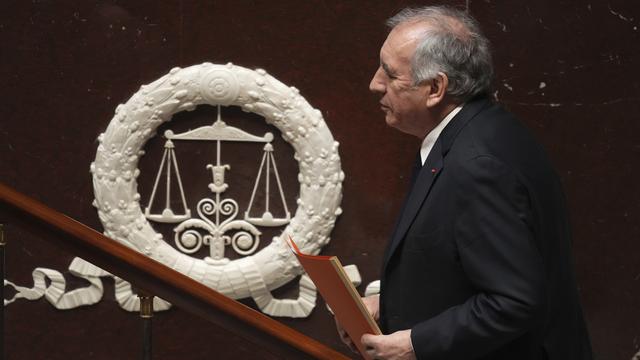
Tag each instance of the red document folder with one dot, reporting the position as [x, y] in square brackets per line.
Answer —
[334, 285]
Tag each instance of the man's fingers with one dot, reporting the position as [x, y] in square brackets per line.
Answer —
[346, 339]
[372, 303]
[367, 340]
[371, 351]
[370, 342]
[343, 334]
[353, 347]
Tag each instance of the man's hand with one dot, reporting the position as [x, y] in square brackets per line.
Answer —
[372, 303]
[396, 346]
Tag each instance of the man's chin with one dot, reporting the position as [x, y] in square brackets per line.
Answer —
[390, 120]
[394, 123]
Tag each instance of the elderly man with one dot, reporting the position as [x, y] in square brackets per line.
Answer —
[479, 264]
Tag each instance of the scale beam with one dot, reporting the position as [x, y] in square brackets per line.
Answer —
[219, 131]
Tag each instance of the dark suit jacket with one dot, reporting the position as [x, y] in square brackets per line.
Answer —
[479, 265]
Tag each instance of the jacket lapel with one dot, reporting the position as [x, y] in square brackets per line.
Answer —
[432, 167]
[426, 178]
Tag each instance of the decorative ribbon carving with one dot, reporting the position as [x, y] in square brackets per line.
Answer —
[61, 299]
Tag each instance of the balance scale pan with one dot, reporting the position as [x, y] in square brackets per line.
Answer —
[167, 216]
[267, 220]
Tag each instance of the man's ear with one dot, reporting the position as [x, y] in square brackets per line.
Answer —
[437, 90]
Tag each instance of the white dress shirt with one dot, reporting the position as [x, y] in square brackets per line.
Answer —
[432, 136]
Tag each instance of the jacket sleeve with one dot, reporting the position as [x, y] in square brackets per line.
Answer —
[495, 241]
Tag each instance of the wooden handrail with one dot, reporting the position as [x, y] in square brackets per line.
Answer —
[160, 280]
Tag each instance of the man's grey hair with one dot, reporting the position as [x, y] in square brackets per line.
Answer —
[453, 45]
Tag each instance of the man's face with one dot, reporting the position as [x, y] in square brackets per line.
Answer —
[403, 103]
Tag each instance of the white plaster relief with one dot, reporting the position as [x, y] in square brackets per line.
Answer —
[217, 216]
[57, 295]
[373, 288]
[320, 176]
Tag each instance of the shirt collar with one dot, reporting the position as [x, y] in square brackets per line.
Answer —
[432, 136]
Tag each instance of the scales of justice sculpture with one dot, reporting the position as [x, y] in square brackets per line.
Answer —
[217, 217]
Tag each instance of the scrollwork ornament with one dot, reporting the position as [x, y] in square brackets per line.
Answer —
[228, 208]
[206, 207]
[243, 243]
[115, 172]
[189, 241]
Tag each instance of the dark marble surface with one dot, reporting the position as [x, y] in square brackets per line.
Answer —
[568, 69]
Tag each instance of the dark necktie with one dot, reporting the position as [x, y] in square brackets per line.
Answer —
[415, 171]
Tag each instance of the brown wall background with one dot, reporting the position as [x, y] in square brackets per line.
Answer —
[568, 69]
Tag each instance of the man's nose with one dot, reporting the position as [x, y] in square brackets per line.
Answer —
[377, 84]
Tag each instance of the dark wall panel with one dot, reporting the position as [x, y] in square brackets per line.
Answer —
[568, 69]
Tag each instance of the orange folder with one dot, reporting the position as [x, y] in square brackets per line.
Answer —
[334, 285]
